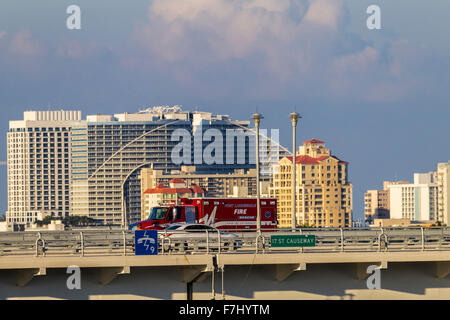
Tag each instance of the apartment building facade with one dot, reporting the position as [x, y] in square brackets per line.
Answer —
[443, 181]
[323, 190]
[417, 201]
[39, 158]
[108, 152]
[377, 202]
[376, 205]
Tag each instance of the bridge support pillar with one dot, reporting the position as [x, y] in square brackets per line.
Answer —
[109, 274]
[361, 268]
[283, 271]
[196, 273]
[442, 269]
[192, 274]
[26, 275]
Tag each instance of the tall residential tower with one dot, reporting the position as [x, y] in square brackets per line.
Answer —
[323, 190]
[108, 153]
[39, 165]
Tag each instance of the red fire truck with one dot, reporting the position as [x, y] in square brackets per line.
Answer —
[221, 213]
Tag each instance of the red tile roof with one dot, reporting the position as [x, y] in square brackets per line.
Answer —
[305, 159]
[162, 189]
[176, 180]
[168, 190]
[310, 160]
[313, 141]
[197, 189]
[341, 162]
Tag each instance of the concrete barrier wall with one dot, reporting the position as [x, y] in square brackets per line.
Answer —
[415, 280]
[330, 281]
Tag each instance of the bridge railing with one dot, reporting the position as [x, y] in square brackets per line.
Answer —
[121, 242]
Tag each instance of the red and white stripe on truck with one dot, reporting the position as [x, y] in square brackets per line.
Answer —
[234, 213]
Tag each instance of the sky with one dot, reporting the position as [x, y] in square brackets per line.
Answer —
[380, 99]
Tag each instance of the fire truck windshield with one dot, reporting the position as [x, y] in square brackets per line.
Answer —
[157, 213]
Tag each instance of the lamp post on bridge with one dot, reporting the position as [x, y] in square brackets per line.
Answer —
[294, 118]
[257, 119]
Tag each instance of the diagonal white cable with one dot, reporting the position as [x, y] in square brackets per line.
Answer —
[254, 131]
[128, 144]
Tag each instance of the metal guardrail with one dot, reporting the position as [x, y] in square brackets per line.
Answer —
[121, 242]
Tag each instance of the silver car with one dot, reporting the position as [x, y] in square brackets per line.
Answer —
[197, 237]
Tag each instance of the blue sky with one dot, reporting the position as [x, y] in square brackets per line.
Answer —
[379, 98]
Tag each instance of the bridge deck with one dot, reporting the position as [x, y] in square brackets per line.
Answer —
[22, 262]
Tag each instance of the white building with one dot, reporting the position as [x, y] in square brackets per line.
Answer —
[108, 153]
[39, 165]
[417, 201]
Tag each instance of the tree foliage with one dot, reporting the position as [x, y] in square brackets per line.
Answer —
[73, 221]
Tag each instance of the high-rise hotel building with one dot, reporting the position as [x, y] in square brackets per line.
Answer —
[323, 190]
[108, 153]
[39, 165]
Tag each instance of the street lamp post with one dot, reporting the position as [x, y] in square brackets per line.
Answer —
[257, 118]
[294, 118]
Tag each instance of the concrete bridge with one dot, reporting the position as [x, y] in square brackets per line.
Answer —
[234, 275]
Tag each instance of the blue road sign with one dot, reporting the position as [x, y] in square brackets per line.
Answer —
[146, 242]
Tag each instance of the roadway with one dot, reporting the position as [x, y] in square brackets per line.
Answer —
[415, 263]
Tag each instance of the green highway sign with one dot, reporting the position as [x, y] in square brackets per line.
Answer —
[293, 241]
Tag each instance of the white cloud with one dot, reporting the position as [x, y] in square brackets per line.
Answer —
[359, 62]
[24, 44]
[23, 53]
[325, 12]
[274, 47]
[204, 31]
